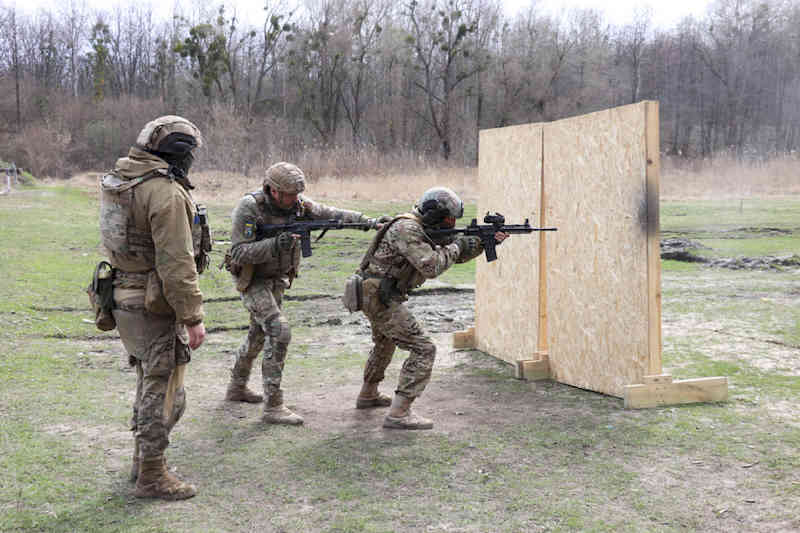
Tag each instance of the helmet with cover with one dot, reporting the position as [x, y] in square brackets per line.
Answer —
[437, 204]
[172, 138]
[284, 177]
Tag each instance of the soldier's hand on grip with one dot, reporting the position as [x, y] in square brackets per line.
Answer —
[285, 241]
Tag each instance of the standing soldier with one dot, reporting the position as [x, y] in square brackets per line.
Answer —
[401, 257]
[263, 270]
[157, 240]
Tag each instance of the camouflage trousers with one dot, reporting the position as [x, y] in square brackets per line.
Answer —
[263, 300]
[395, 326]
[156, 345]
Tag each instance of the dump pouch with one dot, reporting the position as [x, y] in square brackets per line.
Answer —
[352, 297]
[101, 296]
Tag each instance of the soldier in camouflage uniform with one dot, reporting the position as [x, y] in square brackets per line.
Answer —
[263, 270]
[402, 256]
[157, 240]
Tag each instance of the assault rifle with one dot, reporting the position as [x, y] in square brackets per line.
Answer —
[494, 223]
[304, 229]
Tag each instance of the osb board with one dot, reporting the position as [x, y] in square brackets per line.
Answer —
[507, 290]
[595, 169]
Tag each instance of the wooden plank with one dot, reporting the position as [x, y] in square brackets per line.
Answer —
[657, 378]
[542, 335]
[533, 369]
[678, 392]
[653, 237]
[464, 340]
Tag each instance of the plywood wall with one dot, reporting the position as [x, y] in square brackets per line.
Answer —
[507, 290]
[595, 307]
[597, 290]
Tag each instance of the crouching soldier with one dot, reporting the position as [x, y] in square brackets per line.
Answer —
[401, 257]
[263, 269]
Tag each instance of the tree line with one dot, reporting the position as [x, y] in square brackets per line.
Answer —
[404, 81]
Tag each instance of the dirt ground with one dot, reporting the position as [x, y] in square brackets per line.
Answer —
[539, 456]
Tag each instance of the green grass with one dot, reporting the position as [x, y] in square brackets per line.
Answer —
[514, 457]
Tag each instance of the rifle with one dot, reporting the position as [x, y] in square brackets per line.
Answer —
[494, 223]
[304, 229]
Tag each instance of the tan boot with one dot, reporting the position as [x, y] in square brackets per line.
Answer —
[238, 392]
[277, 413]
[135, 461]
[402, 417]
[370, 397]
[237, 388]
[155, 481]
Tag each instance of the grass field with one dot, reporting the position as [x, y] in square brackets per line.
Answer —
[505, 455]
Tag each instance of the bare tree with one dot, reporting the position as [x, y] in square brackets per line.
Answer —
[440, 36]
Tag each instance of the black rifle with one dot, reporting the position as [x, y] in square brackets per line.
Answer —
[304, 229]
[494, 223]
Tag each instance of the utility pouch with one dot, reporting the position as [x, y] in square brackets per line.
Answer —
[201, 238]
[101, 296]
[352, 297]
[154, 300]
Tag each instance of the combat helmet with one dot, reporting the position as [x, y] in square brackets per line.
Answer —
[438, 203]
[169, 134]
[285, 177]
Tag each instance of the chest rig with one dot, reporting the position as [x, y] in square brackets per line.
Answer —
[119, 233]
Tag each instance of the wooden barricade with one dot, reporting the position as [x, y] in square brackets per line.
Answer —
[582, 305]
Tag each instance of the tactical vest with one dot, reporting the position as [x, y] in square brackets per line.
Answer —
[405, 276]
[118, 231]
[287, 263]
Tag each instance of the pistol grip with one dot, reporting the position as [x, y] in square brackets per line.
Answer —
[305, 244]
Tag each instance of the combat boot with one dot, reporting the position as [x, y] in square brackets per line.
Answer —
[155, 481]
[402, 417]
[370, 397]
[237, 388]
[277, 413]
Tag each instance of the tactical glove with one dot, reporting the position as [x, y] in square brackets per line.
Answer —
[376, 223]
[284, 241]
[469, 247]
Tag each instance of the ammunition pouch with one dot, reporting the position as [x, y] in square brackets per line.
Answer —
[201, 239]
[353, 293]
[101, 296]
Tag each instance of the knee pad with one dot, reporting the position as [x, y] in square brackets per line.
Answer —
[278, 330]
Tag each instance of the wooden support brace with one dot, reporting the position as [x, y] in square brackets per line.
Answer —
[464, 340]
[667, 392]
[534, 369]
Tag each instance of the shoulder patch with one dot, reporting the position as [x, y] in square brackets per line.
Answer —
[249, 230]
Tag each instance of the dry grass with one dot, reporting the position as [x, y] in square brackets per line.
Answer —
[720, 178]
[227, 188]
[724, 177]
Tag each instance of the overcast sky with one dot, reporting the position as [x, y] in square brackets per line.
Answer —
[666, 13]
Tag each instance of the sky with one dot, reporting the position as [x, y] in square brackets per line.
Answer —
[666, 13]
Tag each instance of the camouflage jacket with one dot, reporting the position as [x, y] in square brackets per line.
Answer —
[162, 214]
[268, 259]
[404, 252]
